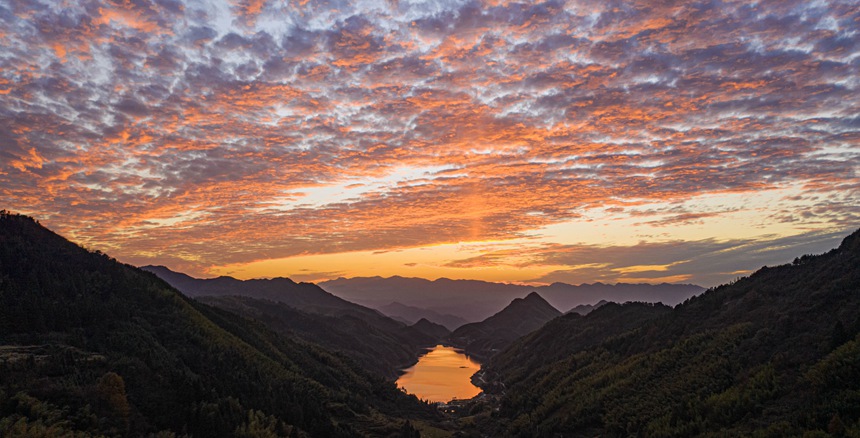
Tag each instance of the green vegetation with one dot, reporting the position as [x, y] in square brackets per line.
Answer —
[92, 347]
[567, 335]
[305, 311]
[774, 354]
[383, 349]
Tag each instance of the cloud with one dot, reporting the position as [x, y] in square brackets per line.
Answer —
[707, 262]
[156, 128]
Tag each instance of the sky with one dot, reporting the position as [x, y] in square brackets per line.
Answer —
[578, 141]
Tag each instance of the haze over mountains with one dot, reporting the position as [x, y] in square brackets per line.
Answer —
[474, 300]
[451, 303]
[412, 314]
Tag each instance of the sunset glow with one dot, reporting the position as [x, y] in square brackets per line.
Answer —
[574, 141]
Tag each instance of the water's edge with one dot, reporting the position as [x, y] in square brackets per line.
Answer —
[443, 373]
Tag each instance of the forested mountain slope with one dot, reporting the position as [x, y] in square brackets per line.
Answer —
[567, 335]
[304, 310]
[307, 297]
[95, 347]
[524, 315]
[382, 350]
[774, 354]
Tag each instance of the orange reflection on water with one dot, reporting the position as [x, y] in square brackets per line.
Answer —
[441, 375]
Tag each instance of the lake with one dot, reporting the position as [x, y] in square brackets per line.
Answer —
[441, 375]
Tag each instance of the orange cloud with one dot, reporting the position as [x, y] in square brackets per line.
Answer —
[30, 160]
[207, 136]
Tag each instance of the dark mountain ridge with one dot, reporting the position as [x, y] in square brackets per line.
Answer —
[585, 309]
[412, 314]
[773, 354]
[303, 296]
[567, 335]
[306, 311]
[431, 329]
[384, 351]
[477, 300]
[522, 316]
[89, 346]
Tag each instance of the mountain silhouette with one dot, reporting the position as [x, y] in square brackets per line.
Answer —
[431, 329]
[412, 314]
[306, 311]
[773, 354]
[585, 309]
[382, 350]
[474, 300]
[522, 316]
[307, 297]
[90, 346]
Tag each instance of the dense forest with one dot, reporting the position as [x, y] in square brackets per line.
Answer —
[92, 347]
[306, 311]
[771, 355]
[381, 348]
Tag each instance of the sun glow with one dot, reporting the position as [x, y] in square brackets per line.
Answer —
[378, 138]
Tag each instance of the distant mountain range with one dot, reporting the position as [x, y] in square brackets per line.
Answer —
[521, 317]
[93, 347]
[474, 300]
[305, 311]
[412, 314]
[307, 297]
[585, 309]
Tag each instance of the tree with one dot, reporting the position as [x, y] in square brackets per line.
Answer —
[111, 392]
[408, 431]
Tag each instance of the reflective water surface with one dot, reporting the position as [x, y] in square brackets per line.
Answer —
[441, 375]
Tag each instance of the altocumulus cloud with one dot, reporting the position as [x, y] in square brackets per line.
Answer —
[193, 131]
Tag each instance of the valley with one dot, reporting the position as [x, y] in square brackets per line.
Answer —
[93, 347]
[429, 218]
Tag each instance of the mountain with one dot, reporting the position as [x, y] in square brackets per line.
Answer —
[373, 339]
[564, 336]
[773, 354]
[307, 297]
[412, 314]
[522, 316]
[382, 350]
[474, 300]
[585, 309]
[470, 300]
[431, 329]
[567, 296]
[93, 347]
